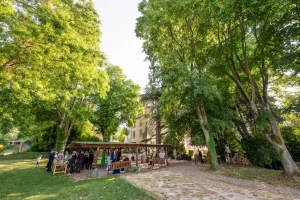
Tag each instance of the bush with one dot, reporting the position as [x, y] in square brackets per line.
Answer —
[2, 148]
[259, 151]
[292, 142]
[11, 147]
[43, 142]
[191, 153]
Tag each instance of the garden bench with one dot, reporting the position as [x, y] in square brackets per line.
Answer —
[161, 161]
[119, 165]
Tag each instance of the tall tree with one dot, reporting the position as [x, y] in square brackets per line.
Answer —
[121, 105]
[174, 39]
[250, 41]
[50, 56]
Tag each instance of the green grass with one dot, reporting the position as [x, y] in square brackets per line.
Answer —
[19, 179]
[24, 155]
[273, 177]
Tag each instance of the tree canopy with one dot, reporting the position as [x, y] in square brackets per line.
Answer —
[218, 62]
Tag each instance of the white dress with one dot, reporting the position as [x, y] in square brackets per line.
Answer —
[108, 162]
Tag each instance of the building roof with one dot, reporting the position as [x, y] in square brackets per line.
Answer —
[112, 145]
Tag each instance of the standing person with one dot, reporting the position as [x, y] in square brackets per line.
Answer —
[60, 157]
[119, 155]
[86, 160]
[102, 164]
[174, 154]
[113, 156]
[38, 160]
[200, 156]
[116, 157]
[91, 159]
[196, 156]
[72, 162]
[50, 161]
[79, 163]
[55, 155]
[67, 156]
[108, 161]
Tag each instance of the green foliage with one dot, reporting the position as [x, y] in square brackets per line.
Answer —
[24, 155]
[2, 148]
[121, 105]
[49, 65]
[214, 53]
[292, 142]
[259, 151]
[45, 141]
[83, 132]
[11, 147]
[177, 142]
[121, 137]
[191, 153]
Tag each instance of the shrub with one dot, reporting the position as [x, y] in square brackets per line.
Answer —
[292, 142]
[259, 151]
[11, 147]
[191, 153]
[2, 148]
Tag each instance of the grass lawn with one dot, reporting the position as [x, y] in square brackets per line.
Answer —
[22, 155]
[273, 177]
[19, 179]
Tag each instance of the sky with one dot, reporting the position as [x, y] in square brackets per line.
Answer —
[118, 41]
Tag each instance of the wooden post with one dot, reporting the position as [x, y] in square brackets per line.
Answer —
[167, 156]
[137, 156]
[97, 155]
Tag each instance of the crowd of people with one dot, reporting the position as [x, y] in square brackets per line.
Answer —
[115, 156]
[76, 161]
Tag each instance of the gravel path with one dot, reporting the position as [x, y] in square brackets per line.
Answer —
[183, 180]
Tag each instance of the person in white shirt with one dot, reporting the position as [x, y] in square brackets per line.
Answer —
[196, 155]
[38, 160]
[108, 162]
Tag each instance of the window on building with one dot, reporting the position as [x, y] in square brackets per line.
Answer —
[141, 132]
[133, 134]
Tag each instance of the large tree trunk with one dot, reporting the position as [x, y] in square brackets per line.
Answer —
[210, 143]
[106, 137]
[275, 138]
[61, 139]
[158, 130]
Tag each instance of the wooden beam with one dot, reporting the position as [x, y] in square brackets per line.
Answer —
[167, 156]
[137, 156]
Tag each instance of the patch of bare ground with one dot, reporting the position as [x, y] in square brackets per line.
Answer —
[185, 180]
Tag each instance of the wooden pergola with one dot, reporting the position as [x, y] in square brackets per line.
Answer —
[118, 145]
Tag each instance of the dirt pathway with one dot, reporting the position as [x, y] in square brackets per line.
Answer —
[183, 180]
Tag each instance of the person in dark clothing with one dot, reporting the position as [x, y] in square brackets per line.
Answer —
[118, 158]
[90, 161]
[200, 156]
[72, 162]
[79, 163]
[125, 159]
[119, 155]
[86, 160]
[50, 161]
